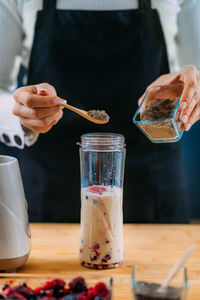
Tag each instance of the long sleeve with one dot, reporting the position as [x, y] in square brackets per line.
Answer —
[188, 36]
[11, 43]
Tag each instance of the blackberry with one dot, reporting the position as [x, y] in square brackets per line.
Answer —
[24, 284]
[42, 293]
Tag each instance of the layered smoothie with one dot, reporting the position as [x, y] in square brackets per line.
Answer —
[101, 244]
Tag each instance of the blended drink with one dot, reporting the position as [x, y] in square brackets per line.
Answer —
[101, 244]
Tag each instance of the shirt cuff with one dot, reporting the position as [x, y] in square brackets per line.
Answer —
[11, 131]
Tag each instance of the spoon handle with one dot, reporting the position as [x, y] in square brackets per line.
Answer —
[177, 266]
[74, 109]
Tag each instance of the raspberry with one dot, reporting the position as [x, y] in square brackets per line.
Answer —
[5, 286]
[48, 285]
[96, 246]
[97, 189]
[101, 289]
[92, 293]
[16, 296]
[56, 283]
[78, 285]
[38, 290]
[7, 291]
[49, 293]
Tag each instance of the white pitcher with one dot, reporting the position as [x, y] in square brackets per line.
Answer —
[15, 236]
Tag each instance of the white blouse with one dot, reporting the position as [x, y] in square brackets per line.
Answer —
[180, 21]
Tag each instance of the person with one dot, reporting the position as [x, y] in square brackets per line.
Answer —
[96, 55]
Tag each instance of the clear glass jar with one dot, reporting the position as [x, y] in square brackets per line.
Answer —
[166, 130]
[102, 157]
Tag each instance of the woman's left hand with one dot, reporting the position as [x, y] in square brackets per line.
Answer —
[190, 100]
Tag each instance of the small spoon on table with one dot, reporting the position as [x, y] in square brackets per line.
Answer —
[175, 269]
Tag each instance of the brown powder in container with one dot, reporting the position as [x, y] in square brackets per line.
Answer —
[99, 115]
[159, 109]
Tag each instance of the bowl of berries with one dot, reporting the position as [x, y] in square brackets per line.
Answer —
[76, 289]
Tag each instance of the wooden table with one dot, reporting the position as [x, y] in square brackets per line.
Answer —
[55, 254]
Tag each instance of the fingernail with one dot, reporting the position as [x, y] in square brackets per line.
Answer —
[43, 92]
[59, 100]
[184, 119]
[188, 127]
[183, 104]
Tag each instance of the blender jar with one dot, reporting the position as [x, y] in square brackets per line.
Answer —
[102, 157]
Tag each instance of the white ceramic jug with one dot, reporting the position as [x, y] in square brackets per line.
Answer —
[15, 236]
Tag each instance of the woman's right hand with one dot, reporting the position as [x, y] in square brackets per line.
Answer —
[38, 107]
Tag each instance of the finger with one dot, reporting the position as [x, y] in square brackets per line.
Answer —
[45, 89]
[43, 124]
[33, 100]
[23, 111]
[186, 99]
[188, 110]
[194, 117]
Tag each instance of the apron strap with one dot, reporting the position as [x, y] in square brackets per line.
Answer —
[49, 4]
[145, 4]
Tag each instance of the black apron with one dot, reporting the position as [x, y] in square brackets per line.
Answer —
[100, 60]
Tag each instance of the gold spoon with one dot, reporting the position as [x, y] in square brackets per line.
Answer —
[84, 114]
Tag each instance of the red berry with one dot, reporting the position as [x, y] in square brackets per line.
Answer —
[56, 283]
[47, 285]
[16, 296]
[96, 246]
[78, 285]
[101, 289]
[49, 293]
[7, 291]
[66, 292]
[38, 289]
[97, 189]
[92, 293]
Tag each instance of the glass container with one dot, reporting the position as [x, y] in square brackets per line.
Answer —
[102, 157]
[147, 279]
[163, 130]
